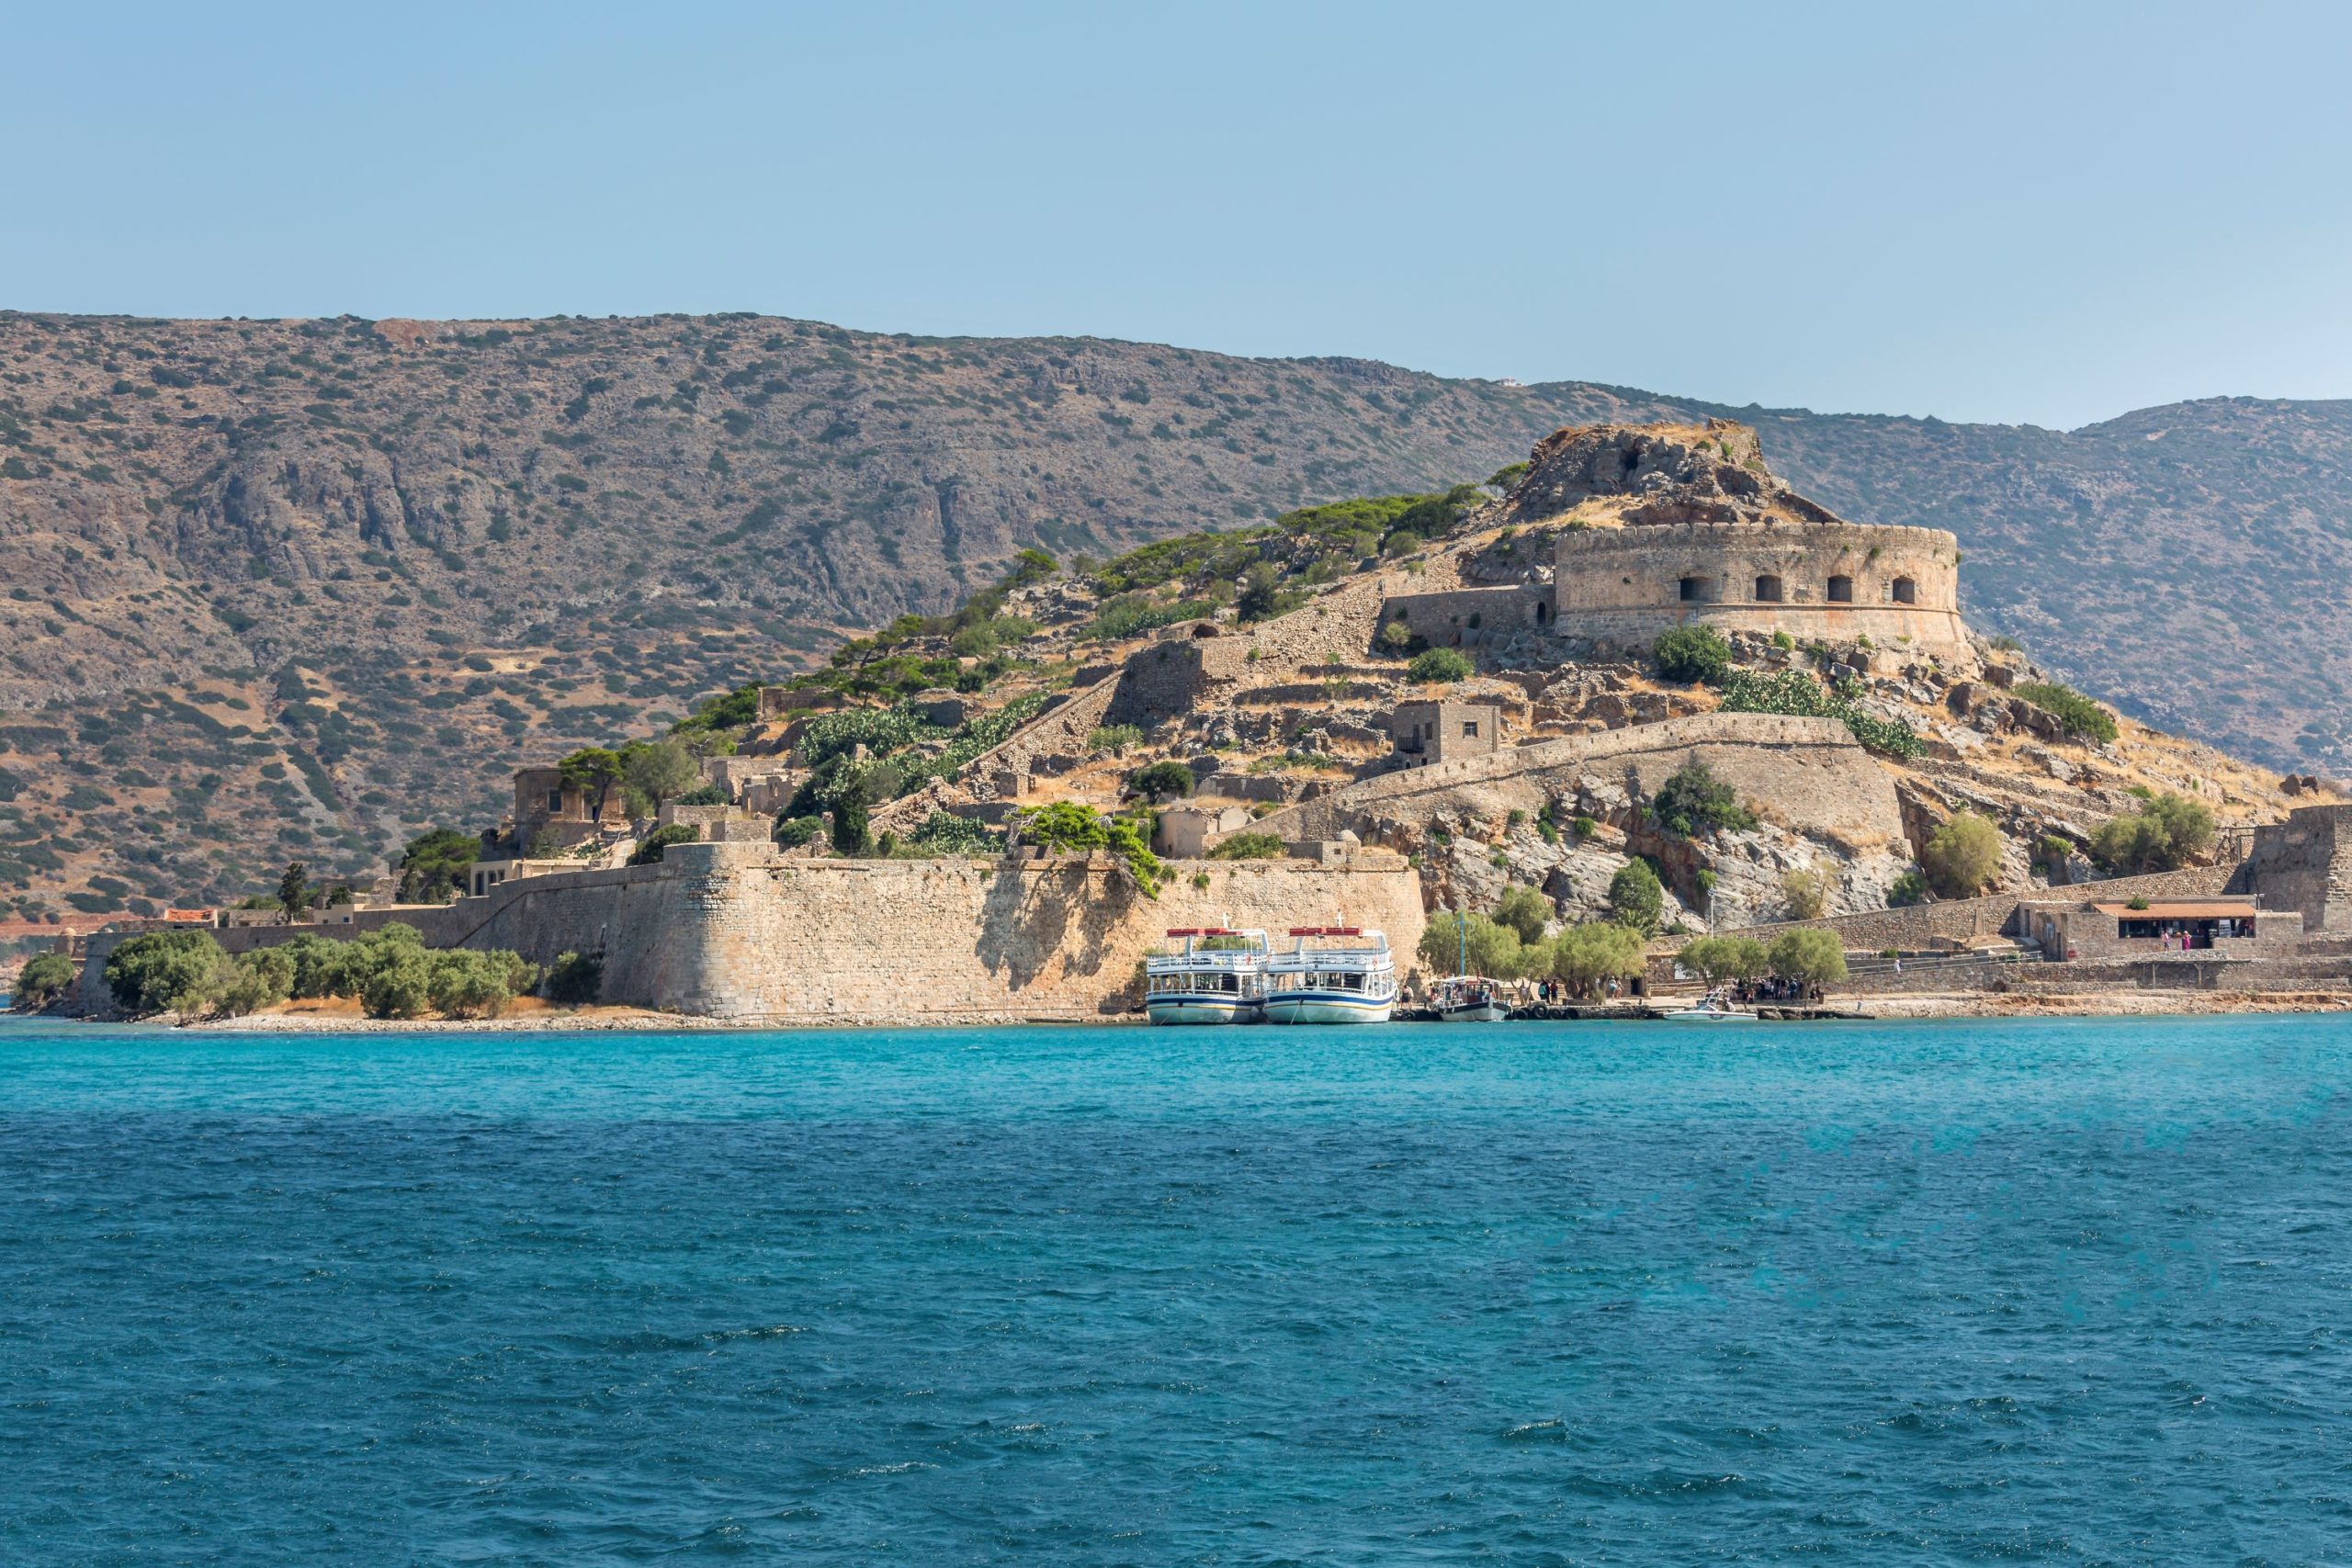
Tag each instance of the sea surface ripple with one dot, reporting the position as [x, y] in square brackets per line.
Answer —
[2055, 1290]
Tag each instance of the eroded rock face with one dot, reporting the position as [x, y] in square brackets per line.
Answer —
[1674, 474]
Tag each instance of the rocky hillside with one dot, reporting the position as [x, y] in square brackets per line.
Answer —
[301, 589]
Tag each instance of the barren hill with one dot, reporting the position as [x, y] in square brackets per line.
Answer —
[301, 589]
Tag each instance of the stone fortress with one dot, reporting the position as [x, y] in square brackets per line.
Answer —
[1665, 526]
[1613, 535]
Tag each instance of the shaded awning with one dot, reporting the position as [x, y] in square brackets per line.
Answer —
[2207, 909]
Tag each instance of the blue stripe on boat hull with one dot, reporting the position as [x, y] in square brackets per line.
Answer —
[1327, 1007]
[1177, 1007]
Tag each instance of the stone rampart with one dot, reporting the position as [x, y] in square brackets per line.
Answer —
[1803, 771]
[2306, 862]
[1917, 926]
[1834, 581]
[1469, 618]
[1338, 624]
[745, 933]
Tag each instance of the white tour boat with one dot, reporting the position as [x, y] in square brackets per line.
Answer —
[1220, 977]
[1352, 983]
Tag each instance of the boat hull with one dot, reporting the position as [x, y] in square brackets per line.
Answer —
[1474, 1012]
[1180, 1008]
[1327, 1007]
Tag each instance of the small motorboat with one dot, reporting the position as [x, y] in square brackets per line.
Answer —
[1712, 1009]
[1468, 999]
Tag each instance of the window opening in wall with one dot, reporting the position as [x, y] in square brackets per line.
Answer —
[1842, 591]
[1903, 591]
[1470, 729]
[1542, 612]
[1694, 589]
[1768, 590]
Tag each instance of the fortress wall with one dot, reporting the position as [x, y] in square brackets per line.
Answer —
[1340, 625]
[1807, 771]
[759, 938]
[739, 932]
[1625, 584]
[1169, 676]
[936, 941]
[1992, 915]
[1063, 729]
[2306, 862]
[1446, 619]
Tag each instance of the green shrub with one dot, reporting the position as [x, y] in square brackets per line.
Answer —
[1963, 858]
[650, 848]
[944, 833]
[313, 958]
[1453, 944]
[1691, 654]
[1113, 738]
[1131, 614]
[1909, 888]
[1068, 825]
[708, 794]
[1636, 899]
[1715, 958]
[1807, 891]
[1583, 826]
[251, 981]
[1162, 781]
[1250, 846]
[2172, 831]
[1695, 801]
[1587, 957]
[880, 730]
[574, 979]
[1262, 595]
[2076, 712]
[1524, 910]
[794, 831]
[656, 771]
[164, 971]
[1436, 664]
[400, 985]
[432, 867]
[45, 978]
[1809, 956]
[1797, 692]
[461, 983]
[1398, 640]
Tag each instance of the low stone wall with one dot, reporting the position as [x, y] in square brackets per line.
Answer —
[1918, 925]
[2185, 972]
[1808, 771]
[1339, 625]
[742, 933]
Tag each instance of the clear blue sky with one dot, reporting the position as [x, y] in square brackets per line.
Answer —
[2045, 212]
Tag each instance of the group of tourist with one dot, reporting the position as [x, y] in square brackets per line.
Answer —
[1742, 993]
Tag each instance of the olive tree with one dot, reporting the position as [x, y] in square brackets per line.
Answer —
[1963, 858]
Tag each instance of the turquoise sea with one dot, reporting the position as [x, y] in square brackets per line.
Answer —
[2073, 1292]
